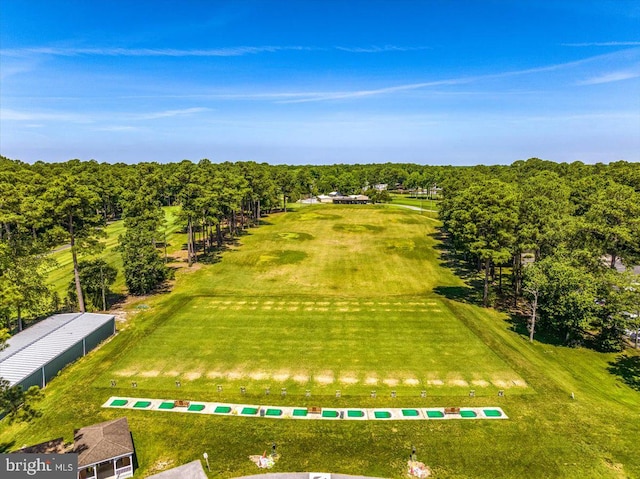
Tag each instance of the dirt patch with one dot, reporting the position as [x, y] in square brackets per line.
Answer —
[391, 382]
[150, 374]
[457, 382]
[171, 374]
[193, 375]
[480, 383]
[411, 382]
[435, 382]
[234, 375]
[214, 374]
[126, 373]
[281, 376]
[258, 376]
[301, 378]
[323, 378]
[371, 381]
[348, 380]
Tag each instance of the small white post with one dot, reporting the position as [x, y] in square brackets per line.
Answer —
[206, 459]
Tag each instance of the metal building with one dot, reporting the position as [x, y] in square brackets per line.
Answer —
[34, 356]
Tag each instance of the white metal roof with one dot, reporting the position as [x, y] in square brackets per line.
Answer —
[33, 348]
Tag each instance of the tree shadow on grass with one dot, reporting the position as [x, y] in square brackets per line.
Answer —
[627, 368]
[6, 446]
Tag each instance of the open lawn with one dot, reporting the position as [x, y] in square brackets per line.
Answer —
[354, 298]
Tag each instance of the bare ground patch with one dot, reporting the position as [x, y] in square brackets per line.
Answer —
[326, 377]
[193, 375]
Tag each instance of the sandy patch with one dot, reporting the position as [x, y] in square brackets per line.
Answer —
[348, 380]
[323, 303]
[193, 375]
[150, 374]
[301, 378]
[281, 376]
[480, 383]
[391, 382]
[171, 374]
[258, 376]
[292, 308]
[371, 381]
[234, 375]
[214, 374]
[519, 383]
[343, 310]
[500, 383]
[266, 308]
[126, 373]
[411, 382]
[457, 382]
[435, 382]
[323, 378]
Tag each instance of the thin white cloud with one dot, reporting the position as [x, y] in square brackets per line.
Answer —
[61, 116]
[15, 115]
[602, 44]
[169, 113]
[610, 77]
[149, 52]
[383, 49]
[314, 97]
[117, 128]
[176, 52]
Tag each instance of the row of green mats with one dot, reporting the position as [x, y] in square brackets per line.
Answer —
[245, 410]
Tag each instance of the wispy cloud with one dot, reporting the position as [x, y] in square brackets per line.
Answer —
[63, 116]
[176, 52]
[314, 97]
[169, 113]
[35, 116]
[150, 52]
[382, 49]
[611, 77]
[602, 44]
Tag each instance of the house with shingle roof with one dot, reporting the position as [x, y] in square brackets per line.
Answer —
[105, 450]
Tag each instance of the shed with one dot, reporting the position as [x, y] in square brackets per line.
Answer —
[105, 450]
[191, 470]
[34, 356]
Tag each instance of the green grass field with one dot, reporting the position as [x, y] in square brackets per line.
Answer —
[350, 298]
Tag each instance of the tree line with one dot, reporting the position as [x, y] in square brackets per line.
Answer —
[565, 233]
[564, 218]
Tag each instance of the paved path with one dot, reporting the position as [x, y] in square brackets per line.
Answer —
[304, 475]
[415, 208]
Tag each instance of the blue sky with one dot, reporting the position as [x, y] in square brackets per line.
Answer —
[316, 82]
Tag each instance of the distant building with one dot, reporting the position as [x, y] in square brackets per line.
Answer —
[351, 200]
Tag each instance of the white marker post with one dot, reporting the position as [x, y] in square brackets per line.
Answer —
[206, 459]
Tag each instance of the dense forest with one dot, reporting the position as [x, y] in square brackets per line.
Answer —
[548, 241]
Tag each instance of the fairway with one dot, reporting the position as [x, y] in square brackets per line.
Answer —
[324, 298]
